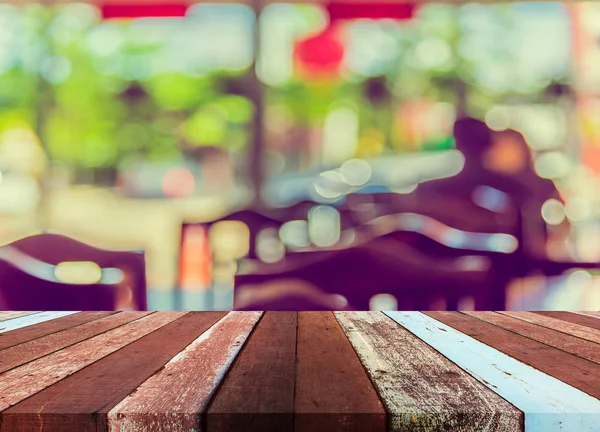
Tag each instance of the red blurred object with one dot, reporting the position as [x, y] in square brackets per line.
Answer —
[320, 56]
[370, 10]
[153, 10]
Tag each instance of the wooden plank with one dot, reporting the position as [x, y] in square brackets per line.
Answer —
[29, 351]
[549, 404]
[333, 391]
[575, 371]
[421, 389]
[576, 330]
[28, 320]
[573, 318]
[571, 344]
[175, 398]
[35, 331]
[81, 401]
[12, 314]
[592, 314]
[24, 381]
[258, 392]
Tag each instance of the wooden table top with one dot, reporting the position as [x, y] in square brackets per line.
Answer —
[307, 371]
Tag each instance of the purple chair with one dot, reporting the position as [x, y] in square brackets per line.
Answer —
[55, 249]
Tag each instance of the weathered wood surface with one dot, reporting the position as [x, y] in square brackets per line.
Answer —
[22, 382]
[548, 403]
[576, 330]
[575, 371]
[422, 390]
[26, 352]
[258, 392]
[35, 331]
[571, 344]
[573, 318]
[81, 401]
[30, 319]
[333, 392]
[175, 398]
[9, 315]
[307, 371]
[592, 314]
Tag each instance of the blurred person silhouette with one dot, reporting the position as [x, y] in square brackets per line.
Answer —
[488, 180]
[510, 155]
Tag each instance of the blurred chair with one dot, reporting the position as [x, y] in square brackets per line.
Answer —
[380, 268]
[288, 295]
[27, 283]
[56, 250]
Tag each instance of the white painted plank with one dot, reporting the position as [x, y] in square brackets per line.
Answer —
[175, 397]
[6, 315]
[27, 320]
[549, 404]
[421, 389]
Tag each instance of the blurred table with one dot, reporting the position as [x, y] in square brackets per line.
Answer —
[307, 371]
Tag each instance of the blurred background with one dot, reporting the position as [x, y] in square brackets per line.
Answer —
[120, 124]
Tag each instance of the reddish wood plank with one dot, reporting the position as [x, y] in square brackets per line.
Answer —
[333, 391]
[258, 392]
[571, 344]
[592, 314]
[24, 353]
[35, 331]
[573, 318]
[577, 330]
[575, 371]
[421, 389]
[13, 314]
[175, 398]
[81, 401]
[22, 382]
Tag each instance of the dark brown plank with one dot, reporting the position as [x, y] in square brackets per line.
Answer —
[80, 402]
[575, 371]
[35, 331]
[176, 397]
[571, 344]
[29, 351]
[333, 391]
[258, 392]
[574, 318]
[22, 382]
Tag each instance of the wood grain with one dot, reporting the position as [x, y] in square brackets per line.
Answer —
[571, 344]
[175, 398]
[35, 331]
[574, 318]
[22, 382]
[422, 390]
[549, 404]
[333, 392]
[11, 314]
[30, 319]
[29, 351]
[575, 371]
[592, 314]
[258, 392]
[576, 330]
[81, 401]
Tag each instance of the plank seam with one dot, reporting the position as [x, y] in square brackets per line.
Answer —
[58, 331]
[528, 337]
